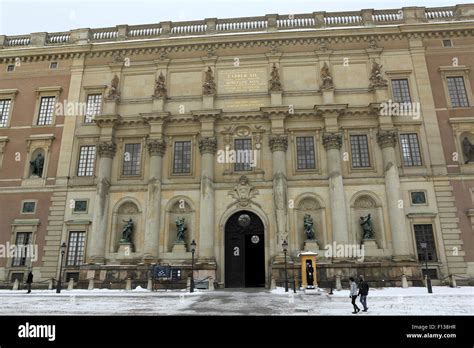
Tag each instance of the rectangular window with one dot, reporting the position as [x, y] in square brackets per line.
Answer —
[46, 111]
[86, 161]
[28, 207]
[94, 103]
[131, 159]
[80, 206]
[75, 249]
[53, 65]
[182, 157]
[305, 156]
[4, 112]
[424, 233]
[447, 43]
[10, 67]
[457, 91]
[418, 197]
[23, 239]
[243, 155]
[410, 149]
[360, 151]
[401, 91]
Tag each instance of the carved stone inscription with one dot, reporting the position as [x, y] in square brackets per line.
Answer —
[242, 80]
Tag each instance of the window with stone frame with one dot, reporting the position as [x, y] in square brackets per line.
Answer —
[23, 239]
[410, 149]
[4, 112]
[360, 151]
[80, 206]
[424, 233]
[243, 155]
[305, 154]
[28, 207]
[75, 248]
[86, 162]
[182, 157]
[46, 111]
[457, 91]
[93, 107]
[132, 160]
[401, 91]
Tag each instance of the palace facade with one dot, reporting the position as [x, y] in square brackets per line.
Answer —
[242, 127]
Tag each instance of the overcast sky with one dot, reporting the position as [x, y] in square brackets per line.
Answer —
[29, 16]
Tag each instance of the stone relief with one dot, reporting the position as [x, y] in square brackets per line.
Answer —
[243, 193]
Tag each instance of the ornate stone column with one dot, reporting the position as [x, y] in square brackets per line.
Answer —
[279, 145]
[401, 240]
[156, 149]
[96, 243]
[332, 143]
[208, 148]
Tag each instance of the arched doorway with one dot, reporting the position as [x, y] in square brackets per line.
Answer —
[244, 251]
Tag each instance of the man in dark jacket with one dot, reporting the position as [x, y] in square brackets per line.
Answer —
[29, 281]
[363, 292]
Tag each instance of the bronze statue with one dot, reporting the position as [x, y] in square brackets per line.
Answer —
[37, 165]
[367, 227]
[467, 150]
[181, 228]
[275, 84]
[127, 231]
[308, 227]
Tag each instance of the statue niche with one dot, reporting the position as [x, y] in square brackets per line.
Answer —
[37, 164]
[309, 224]
[366, 217]
[180, 224]
[127, 226]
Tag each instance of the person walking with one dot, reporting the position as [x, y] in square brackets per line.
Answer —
[363, 292]
[29, 281]
[354, 292]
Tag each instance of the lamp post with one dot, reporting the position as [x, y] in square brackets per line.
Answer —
[63, 251]
[193, 249]
[284, 245]
[424, 246]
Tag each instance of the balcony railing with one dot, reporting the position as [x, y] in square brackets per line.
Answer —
[268, 23]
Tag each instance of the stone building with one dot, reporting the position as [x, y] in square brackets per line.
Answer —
[244, 126]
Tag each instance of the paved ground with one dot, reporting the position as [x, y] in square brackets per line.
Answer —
[388, 301]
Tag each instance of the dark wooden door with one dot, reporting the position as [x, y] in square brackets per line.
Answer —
[244, 251]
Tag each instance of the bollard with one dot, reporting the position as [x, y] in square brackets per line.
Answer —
[70, 285]
[272, 284]
[16, 284]
[128, 284]
[452, 281]
[149, 286]
[188, 283]
[91, 284]
[50, 284]
[404, 281]
[211, 284]
[338, 282]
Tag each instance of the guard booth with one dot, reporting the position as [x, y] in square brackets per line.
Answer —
[308, 269]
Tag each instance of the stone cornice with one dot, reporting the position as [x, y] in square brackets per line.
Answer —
[236, 40]
[107, 120]
[156, 117]
[206, 115]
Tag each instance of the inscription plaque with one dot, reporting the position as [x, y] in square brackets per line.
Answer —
[242, 80]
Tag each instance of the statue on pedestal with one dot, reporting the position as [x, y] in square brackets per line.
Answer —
[127, 231]
[37, 165]
[181, 228]
[367, 227]
[326, 78]
[309, 227]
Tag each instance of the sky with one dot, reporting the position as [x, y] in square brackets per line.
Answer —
[31, 16]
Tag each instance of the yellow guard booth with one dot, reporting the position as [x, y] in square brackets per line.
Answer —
[308, 269]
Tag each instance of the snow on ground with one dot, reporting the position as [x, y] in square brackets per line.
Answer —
[385, 301]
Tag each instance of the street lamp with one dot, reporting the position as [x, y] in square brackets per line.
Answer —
[193, 249]
[424, 246]
[284, 245]
[63, 251]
